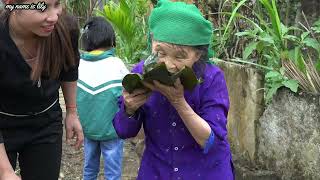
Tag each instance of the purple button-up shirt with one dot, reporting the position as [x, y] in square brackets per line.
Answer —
[171, 153]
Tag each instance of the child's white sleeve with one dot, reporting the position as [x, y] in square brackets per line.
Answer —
[123, 69]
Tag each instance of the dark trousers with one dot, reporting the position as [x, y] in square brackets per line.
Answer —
[36, 142]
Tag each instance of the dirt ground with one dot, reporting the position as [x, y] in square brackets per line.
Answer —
[72, 163]
[72, 160]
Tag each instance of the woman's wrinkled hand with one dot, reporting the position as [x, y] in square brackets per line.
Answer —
[175, 94]
[135, 100]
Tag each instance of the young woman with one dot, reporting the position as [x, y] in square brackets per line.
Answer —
[185, 131]
[38, 55]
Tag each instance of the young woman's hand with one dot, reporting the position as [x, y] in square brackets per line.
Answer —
[175, 94]
[9, 176]
[135, 100]
[73, 128]
[6, 170]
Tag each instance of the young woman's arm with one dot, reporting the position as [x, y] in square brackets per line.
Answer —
[6, 170]
[72, 123]
[69, 88]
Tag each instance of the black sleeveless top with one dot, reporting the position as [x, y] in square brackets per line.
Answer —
[18, 93]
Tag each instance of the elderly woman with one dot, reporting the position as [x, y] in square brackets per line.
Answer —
[185, 131]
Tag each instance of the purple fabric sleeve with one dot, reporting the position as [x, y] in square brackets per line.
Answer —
[209, 143]
[215, 104]
[124, 125]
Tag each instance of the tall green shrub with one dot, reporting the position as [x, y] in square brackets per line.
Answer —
[288, 51]
[129, 21]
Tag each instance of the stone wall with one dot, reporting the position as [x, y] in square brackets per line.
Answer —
[245, 86]
[289, 136]
[280, 142]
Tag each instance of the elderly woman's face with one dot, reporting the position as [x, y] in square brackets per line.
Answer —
[175, 57]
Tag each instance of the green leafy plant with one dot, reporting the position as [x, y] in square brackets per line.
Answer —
[129, 21]
[225, 44]
[232, 17]
[288, 51]
[277, 79]
[82, 9]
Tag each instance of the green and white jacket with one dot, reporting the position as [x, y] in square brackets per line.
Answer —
[99, 87]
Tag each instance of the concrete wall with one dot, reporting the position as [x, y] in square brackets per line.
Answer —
[245, 86]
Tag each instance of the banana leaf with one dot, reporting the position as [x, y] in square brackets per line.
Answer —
[159, 72]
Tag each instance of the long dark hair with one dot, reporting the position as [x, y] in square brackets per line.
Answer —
[59, 51]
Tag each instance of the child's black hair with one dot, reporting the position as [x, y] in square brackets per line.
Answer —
[97, 33]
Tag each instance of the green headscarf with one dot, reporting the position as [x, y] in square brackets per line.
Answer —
[180, 23]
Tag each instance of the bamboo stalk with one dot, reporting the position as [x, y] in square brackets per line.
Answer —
[309, 81]
[314, 72]
[293, 73]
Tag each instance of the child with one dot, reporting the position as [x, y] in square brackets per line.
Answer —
[185, 131]
[99, 86]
